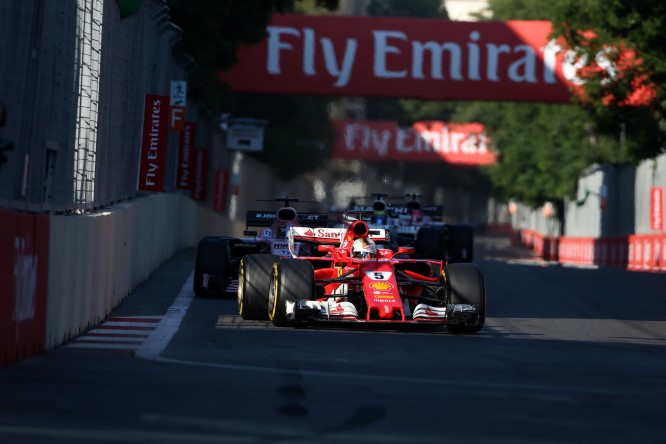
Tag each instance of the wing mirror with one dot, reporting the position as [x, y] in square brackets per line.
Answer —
[405, 250]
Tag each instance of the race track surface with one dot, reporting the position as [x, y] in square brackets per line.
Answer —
[568, 355]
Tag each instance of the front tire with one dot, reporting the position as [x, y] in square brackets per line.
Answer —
[466, 286]
[254, 282]
[292, 279]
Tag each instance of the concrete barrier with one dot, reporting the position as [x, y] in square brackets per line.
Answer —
[99, 258]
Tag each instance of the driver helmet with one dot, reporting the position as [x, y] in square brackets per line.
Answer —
[364, 248]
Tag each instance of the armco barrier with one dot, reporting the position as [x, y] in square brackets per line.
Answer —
[24, 266]
[634, 252]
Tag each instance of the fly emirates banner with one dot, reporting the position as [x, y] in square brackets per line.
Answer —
[430, 141]
[405, 57]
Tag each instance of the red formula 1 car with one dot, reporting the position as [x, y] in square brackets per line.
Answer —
[376, 286]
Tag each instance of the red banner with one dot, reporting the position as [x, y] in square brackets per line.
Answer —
[657, 208]
[154, 143]
[24, 274]
[200, 174]
[186, 146]
[221, 184]
[405, 57]
[433, 141]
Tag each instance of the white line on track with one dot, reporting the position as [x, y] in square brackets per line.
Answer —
[159, 339]
[129, 346]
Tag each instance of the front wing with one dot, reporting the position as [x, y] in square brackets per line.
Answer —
[333, 311]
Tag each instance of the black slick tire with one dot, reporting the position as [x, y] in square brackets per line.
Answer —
[292, 279]
[254, 281]
[466, 285]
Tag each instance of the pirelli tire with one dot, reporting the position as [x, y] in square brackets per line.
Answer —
[254, 282]
[212, 258]
[460, 243]
[466, 285]
[292, 279]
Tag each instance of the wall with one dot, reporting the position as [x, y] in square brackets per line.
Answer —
[612, 229]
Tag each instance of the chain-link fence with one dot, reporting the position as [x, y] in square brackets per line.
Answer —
[74, 76]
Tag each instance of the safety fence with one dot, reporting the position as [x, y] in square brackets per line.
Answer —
[74, 76]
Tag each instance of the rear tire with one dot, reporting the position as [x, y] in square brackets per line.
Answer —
[430, 243]
[212, 258]
[254, 282]
[466, 286]
[292, 279]
[460, 245]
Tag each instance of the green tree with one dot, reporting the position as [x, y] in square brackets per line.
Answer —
[517, 10]
[213, 31]
[299, 135]
[407, 8]
[543, 148]
[636, 26]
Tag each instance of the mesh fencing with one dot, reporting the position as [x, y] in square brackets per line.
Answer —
[74, 76]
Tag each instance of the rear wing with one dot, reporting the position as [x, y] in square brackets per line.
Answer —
[266, 219]
[329, 236]
[432, 211]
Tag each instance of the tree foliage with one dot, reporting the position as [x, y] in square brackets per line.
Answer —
[518, 10]
[543, 148]
[616, 29]
[407, 8]
[213, 31]
[299, 135]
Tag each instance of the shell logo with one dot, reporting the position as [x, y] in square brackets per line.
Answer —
[381, 286]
